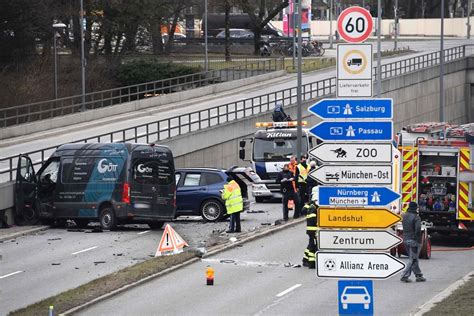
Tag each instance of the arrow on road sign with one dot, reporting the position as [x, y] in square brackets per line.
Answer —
[357, 240]
[353, 174]
[357, 265]
[353, 130]
[353, 152]
[356, 196]
[356, 218]
[353, 108]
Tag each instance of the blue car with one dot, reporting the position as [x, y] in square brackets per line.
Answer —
[199, 190]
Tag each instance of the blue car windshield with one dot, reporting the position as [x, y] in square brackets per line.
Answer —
[354, 291]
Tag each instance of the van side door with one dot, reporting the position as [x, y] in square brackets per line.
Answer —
[26, 191]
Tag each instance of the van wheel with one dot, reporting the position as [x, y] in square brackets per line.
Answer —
[212, 210]
[156, 225]
[107, 218]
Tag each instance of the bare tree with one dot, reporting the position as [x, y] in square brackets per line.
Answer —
[260, 13]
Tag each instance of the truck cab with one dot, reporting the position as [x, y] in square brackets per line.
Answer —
[273, 144]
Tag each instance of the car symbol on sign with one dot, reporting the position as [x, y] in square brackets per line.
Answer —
[355, 295]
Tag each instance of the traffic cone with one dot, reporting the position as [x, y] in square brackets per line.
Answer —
[210, 276]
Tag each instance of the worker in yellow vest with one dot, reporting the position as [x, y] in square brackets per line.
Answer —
[302, 176]
[233, 203]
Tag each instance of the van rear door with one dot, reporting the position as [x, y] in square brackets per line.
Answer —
[153, 184]
[25, 192]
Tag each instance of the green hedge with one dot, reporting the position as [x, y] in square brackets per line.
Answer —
[145, 71]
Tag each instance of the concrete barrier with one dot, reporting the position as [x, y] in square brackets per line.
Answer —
[110, 111]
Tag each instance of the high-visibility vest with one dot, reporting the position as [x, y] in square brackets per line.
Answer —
[292, 167]
[303, 175]
[232, 197]
[311, 220]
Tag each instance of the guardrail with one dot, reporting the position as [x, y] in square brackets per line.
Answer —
[26, 113]
[194, 121]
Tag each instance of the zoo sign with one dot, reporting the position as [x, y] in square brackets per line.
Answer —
[352, 152]
[354, 24]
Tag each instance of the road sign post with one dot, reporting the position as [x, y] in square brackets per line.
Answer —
[354, 70]
[359, 168]
[353, 174]
[357, 240]
[345, 196]
[353, 109]
[356, 297]
[357, 265]
[352, 152]
[356, 218]
[354, 130]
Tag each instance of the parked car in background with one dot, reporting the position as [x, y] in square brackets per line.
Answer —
[237, 33]
[199, 190]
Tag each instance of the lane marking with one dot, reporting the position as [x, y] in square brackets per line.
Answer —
[84, 250]
[143, 232]
[10, 274]
[288, 290]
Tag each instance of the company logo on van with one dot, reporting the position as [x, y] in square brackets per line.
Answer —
[278, 134]
[105, 166]
[142, 169]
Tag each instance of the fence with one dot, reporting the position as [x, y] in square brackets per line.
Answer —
[194, 121]
[16, 115]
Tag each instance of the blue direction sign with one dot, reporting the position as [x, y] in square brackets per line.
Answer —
[353, 109]
[353, 130]
[356, 196]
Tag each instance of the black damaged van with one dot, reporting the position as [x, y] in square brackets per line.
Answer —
[112, 183]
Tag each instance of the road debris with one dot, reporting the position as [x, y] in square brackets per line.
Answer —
[51, 239]
[98, 262]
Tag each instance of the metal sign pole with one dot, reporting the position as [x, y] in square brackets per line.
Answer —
[299, 133]
[379, 48]
[330, 25]
[293, 29]
[206, 57]
[441, 67]
[83, 62]
[396, 25]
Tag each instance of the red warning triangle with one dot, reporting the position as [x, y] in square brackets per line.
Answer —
[179, 242]
[170, 243]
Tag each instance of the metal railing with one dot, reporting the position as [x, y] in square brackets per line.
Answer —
[198, 120]
[27, 113]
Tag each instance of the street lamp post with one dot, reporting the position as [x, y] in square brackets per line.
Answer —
[396, 25]
[206, 57]
[83, 62]
[56, 26]
[441, 67]
[299, 131]
[468, 24]
[379, 48]
[330, 25]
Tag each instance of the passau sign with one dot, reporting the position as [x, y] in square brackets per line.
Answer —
[354, 24]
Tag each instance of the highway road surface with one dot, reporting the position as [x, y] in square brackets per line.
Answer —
[56, 260]
[54, 137]
[260, 279]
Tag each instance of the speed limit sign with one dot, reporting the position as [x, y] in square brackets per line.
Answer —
[354, 24]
